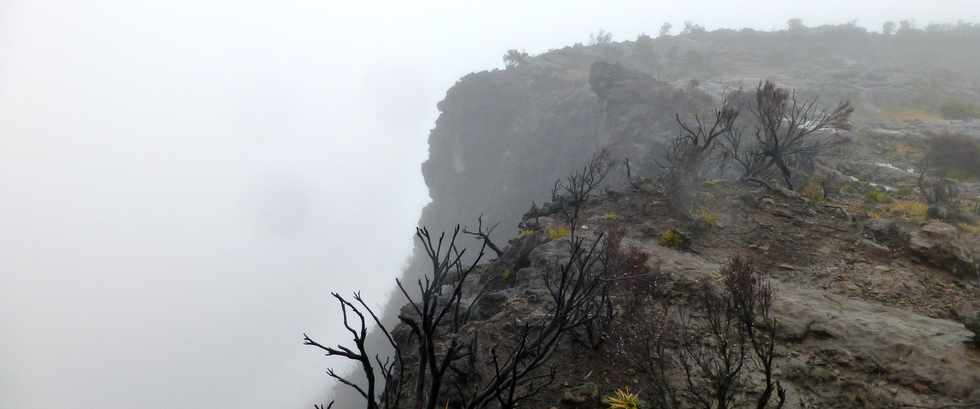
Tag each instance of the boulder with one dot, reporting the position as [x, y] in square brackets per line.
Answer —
[580, 394]
[875, 248]
[938, 244]
[491, 304]
[905, 347]
[973, 324]
[887, 232]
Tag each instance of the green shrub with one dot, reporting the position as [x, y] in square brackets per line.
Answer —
[909, 209]
[526, 233]
[712, 183]
[673, 239]
[973, 229]
[558, 232]
[706, 217]
[876, 196]
[813, 190]
[623, 399]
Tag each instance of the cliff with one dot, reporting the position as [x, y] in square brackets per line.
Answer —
[503, 138]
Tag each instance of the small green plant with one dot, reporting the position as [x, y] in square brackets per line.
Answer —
[558, 231]
[673, 239]
[623, 399]
[706, 217]
[973, 229]
[909, 209]
[847, 188]
[712, 183]
[610, 216]
[813, 190]
[507, 275]
[526, 233]
[876, 196]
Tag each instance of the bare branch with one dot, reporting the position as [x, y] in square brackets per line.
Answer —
[789, 132]
[484, 235]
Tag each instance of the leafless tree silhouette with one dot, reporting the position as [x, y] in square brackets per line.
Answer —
[751, 296]
[789, 135]
[386, 369]
[733, 332]
[572, 193]
[437, 318]
[431, 309]
[684, 160]
[484, 235]
[573, 285]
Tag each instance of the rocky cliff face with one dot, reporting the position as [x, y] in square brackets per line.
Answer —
[504, 137]
[860, 323]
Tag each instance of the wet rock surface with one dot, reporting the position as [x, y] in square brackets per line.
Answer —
[939, 244]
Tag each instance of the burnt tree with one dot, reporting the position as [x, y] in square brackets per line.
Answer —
[727, 334]
[789, 129]
[372, 367]
[684, 160]
[484, 234]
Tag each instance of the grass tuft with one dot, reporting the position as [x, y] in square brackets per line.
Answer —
[526, 233]
[706, 217]
[672, 239]
[623, 399]
[558, 231]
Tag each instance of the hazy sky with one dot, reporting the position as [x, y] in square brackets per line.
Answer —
[182, 183]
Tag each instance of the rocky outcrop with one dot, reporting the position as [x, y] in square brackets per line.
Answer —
[504, 136]
[939, 244]
[851, 337]
[833, 351]
[973, 324]
[907, 349]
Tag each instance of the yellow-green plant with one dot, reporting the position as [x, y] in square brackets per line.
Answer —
[712, 183]
[610, 216]
[672, 239]
[706, 217]
[972, 206]
[973, 229]
[875, 196]
[526, 233]
[622, 399]
[813, 190]
[558, 231]
[507, 274]
[909, 209]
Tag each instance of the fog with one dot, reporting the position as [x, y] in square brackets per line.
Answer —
[182, 183]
